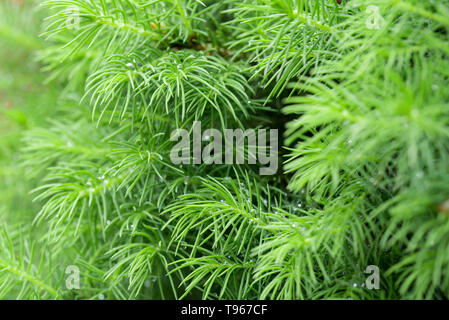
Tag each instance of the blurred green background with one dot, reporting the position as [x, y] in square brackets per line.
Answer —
[26, 100]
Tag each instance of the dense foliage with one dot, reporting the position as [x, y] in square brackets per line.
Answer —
[358, 92]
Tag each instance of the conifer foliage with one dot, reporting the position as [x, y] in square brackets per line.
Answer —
[359, 92]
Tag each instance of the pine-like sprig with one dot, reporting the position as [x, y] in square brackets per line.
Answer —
[365, 113]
